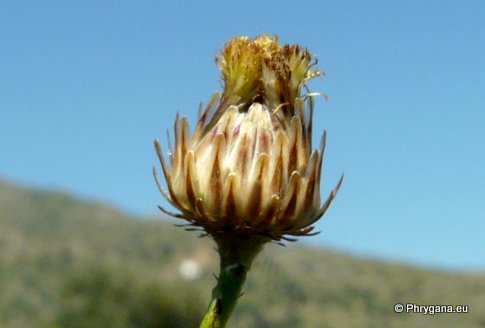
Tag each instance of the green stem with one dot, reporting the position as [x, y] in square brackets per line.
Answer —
[236, 255]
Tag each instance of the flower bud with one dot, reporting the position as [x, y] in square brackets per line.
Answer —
[249, 167]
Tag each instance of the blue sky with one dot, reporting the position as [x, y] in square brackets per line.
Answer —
[85, 87]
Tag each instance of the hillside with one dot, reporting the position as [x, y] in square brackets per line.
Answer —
[68, 263]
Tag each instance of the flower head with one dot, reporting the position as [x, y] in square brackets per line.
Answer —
[249, 167]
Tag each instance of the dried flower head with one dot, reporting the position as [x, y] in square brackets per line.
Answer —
[249, 167]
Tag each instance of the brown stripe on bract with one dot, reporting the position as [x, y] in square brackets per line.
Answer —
[290, 201]
[301, 157]
[215, 180]
[243, 157]
[230, 196]
[162, 190]
[263, 142]
[168, 178]
[280, 173]
[293, 152]
[185, 136]
[309, 123]
[190, 174]
[255, 191]
[272, 212]
[254, 203]
[306, 138]
[311, 175]
[276, 174]
[226, 125]
[205, 217]
[202, 116]
[323, 142]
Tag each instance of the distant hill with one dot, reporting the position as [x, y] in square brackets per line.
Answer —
[68, 263]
